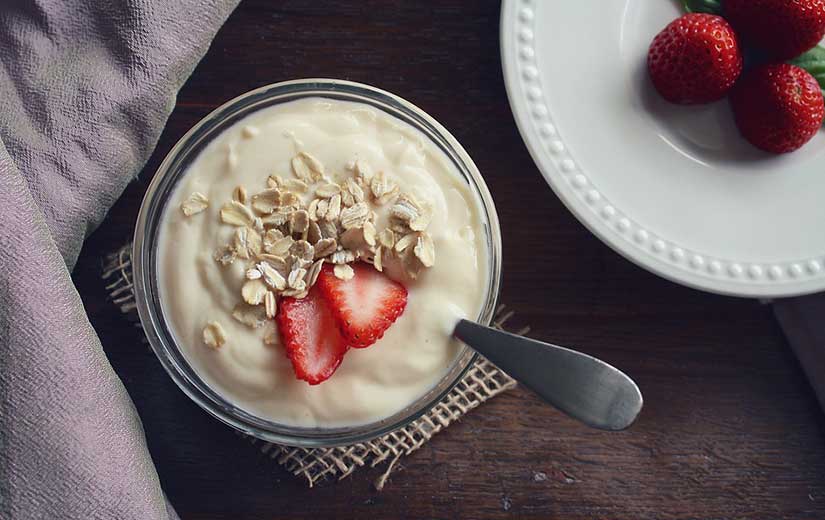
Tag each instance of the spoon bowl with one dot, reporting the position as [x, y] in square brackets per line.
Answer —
[583, 387]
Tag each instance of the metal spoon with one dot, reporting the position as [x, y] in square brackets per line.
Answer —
[581, 386]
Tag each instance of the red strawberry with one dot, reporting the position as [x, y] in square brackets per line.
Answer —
[311, 337]
[364, 306]
[778, 107]
[782, 28]
[695, 59]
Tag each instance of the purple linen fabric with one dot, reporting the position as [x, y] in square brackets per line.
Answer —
[85, 89]
[803, 320]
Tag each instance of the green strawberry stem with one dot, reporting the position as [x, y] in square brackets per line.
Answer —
[703, 6]
[814, 62]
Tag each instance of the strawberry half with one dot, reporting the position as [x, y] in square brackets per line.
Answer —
[311, 337]
[364, 306]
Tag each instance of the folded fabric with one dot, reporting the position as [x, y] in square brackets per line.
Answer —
[803, 320]
[85, 88]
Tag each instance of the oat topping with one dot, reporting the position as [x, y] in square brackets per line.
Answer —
[277, 218]
[298, 222]
[334, 208]
[267, 201]
[277, 262]
[387, 238]
[258, 226]
[239, 243]
[214, 335]
[196, 203]
[294, 185]
[280, 247]
[225, 255]
[421, 222]
[363, 171]
[368, 233]
[405, 242]
[382, 189]
[355, 191]
[344, 272]
[342, 256]
[303, 250]
[250, 315]
[296, 279]
[246, 243]
[326, 191]
[424, 249]
[290, 201]
[352, 238]
[328, 229]
[320, 208]
[412, 264]
[347, 199]
[250, 131]
[307, 168]
[314, 165]
[236, 214]
[239, 194]
[271, 276]
[301, 170]
[293, 225]
[314, 271]
[313, 234]
[270, 304]
[312, 210]
[355, 216]
[378, 259]
[272, 236]
[325, 247]
[253, 291]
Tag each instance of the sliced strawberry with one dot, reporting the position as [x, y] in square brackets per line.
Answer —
[366, 305]
[311, 337]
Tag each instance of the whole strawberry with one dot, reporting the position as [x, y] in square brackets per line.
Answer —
[783, 29]
[695, 59]
[778, 107]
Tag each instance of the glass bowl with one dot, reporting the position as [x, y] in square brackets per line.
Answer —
[144, 257]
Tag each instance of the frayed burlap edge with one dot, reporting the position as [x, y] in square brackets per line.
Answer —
[481, 382]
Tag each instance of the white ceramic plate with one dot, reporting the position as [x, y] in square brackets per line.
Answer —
[674, 189]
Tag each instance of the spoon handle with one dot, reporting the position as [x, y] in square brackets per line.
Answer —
[582, 386]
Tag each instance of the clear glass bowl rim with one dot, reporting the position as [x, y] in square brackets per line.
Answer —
[143, 258]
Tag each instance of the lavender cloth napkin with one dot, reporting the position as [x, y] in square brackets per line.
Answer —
[803, 320]
[85, 88]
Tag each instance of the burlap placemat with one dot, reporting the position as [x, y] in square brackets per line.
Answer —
[482, 382]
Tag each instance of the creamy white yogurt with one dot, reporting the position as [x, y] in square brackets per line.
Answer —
[371, 383]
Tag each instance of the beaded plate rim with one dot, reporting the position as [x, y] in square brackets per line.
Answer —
[592, 208]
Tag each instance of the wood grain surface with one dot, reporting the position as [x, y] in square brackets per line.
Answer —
[730, 428]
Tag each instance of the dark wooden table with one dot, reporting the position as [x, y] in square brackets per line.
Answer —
[730, 428]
